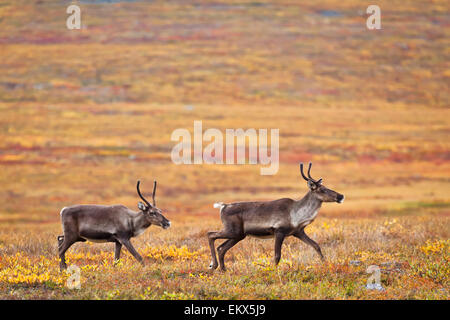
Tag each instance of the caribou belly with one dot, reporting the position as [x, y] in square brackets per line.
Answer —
[265, 237]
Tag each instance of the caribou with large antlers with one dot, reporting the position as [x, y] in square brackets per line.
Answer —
[115, 223]
[278, 219]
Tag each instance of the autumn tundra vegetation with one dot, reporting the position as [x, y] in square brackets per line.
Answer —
[87, 113]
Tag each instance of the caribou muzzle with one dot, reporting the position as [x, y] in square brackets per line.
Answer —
[165, 224]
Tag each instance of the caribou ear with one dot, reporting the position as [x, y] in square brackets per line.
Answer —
[312, 185]
[141, 206]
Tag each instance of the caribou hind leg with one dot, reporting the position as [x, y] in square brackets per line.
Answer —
[224, 247]
[233, 233]
[62, 248]
[212, 237]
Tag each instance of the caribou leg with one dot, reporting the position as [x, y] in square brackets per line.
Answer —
[213, 236]
[129, 246]
[117, 249]
[302, 236]
[66, 243]
[224, 247]
[279, 238]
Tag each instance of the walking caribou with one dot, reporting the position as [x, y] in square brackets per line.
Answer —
[115, 223]
[267, 219]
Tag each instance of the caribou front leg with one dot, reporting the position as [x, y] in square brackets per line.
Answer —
[117, 249]
[129, 246]
[302, 236]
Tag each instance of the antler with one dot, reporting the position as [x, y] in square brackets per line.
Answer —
[301, 171]
[154, 193]
[140, 195]
[309, 174]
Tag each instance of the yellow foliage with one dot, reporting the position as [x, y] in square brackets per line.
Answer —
[435, 247]
[19, 268]
[171, 253]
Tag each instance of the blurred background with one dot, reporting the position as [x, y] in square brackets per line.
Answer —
[86, 113]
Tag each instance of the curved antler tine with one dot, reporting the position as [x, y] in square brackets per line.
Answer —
[140, 195]
[154, 193]
[309, 171]
[301, 171]
[309, 174]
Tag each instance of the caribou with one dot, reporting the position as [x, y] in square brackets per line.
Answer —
[114, 223]
[271, 219]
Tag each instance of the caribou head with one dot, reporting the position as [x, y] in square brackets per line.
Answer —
[319, 190]
[150, 211]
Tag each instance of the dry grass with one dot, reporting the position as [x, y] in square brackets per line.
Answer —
[412, 266]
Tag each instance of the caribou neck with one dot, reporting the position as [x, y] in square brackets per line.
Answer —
[140, 222]
[309, 203]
